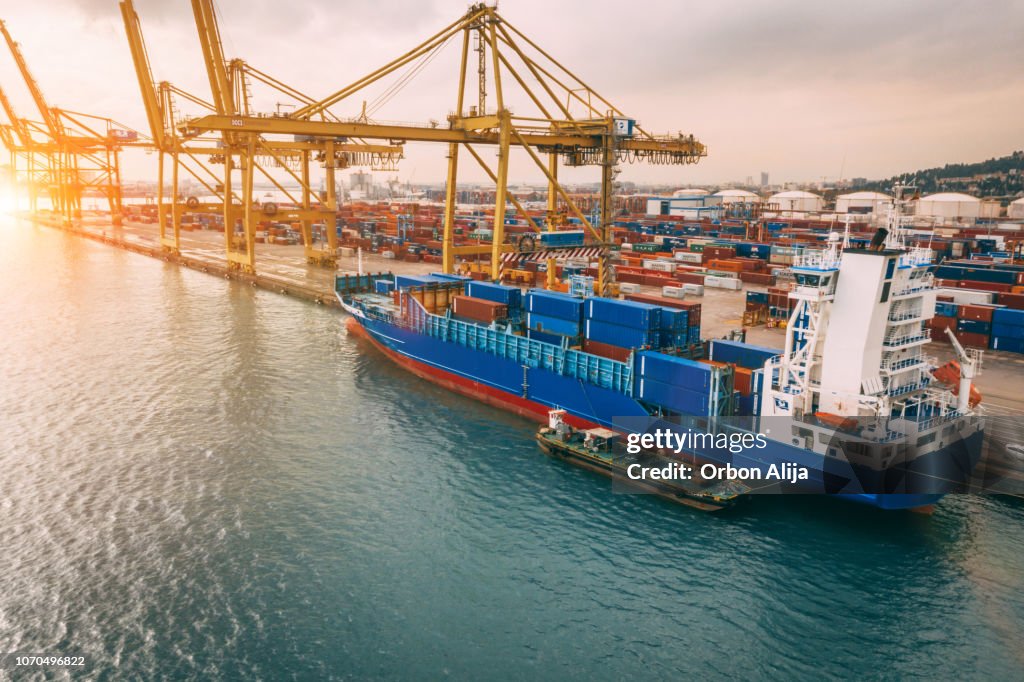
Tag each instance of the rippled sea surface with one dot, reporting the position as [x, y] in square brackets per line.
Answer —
[203, 480]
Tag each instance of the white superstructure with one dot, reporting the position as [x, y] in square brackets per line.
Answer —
[855, 340]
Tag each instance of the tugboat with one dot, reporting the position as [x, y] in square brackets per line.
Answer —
[600, 450]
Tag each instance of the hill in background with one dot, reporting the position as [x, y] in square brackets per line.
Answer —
[997, 178]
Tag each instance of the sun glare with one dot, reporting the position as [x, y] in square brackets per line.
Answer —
[8, 200]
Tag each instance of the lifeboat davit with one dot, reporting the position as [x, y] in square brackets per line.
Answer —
[949, 374]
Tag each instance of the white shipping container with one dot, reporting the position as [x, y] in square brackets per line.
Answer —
[688, 258]
[629, 288]
[673, 292]
[967, 296]
[723, 283]
[347, 251]
[663, 266]
[693, 289]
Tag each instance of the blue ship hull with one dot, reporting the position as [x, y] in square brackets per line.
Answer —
[531, 389]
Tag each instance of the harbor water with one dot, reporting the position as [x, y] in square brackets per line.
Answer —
[202, 480]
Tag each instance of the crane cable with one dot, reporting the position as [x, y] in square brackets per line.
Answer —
[397, 86]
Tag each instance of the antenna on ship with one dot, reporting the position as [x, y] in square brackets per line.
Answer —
[897, 235]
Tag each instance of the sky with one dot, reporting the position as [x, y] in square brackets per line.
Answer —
[806, 90]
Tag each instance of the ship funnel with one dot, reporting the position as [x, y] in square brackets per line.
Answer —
[878, 241]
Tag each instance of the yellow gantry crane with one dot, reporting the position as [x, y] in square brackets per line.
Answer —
[83, 150]
[230, 85]
[601, 135]
[32, 160]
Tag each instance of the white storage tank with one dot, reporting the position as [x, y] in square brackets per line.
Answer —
[863, 203]
[797, 200]
[1015, 211]
[949, 205]
[737, 196]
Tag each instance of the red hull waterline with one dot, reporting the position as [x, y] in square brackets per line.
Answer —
[472, 389]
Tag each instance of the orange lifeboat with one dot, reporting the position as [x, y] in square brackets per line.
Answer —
[949, 374]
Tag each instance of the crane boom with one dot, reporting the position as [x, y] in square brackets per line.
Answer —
[16, 123]
[49, 117]
[213, 56]
[144, 73]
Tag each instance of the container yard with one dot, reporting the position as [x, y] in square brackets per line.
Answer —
[438, 360]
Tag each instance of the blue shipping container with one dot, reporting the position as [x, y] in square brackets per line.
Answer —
[673, 398]
[1008, 316]
[1006, 344]
[672, 370]
[759, 297]
[674, 320]
[946, 309]
[562, 238]
[693, 336]
[974, 326]
[555, 325]
[745, 405]
[405, 281]
[554, 304]
[555, 339]
[627, 313]
[450, 278]
[742, 354]
[618, 335]
[510, 296]
[976, 274]
[1010, 331]
[383, 286]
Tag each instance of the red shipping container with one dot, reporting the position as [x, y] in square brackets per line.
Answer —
[983, 286]
[689, 278]
[940, 322]
[938, 335]
[757, 278]
[741, 380]
[694, 309]
[973, 340]
[606, 350]
[478, 309]
[1015, 301]
[652, 299]
[658, 281]
[975, 312]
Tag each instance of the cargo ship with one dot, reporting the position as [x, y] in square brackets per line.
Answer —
[851, 399]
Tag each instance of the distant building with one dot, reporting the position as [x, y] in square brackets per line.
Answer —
[764, 178]
[694, 206]
[360, 180]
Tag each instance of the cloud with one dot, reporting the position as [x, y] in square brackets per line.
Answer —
[797, 87]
